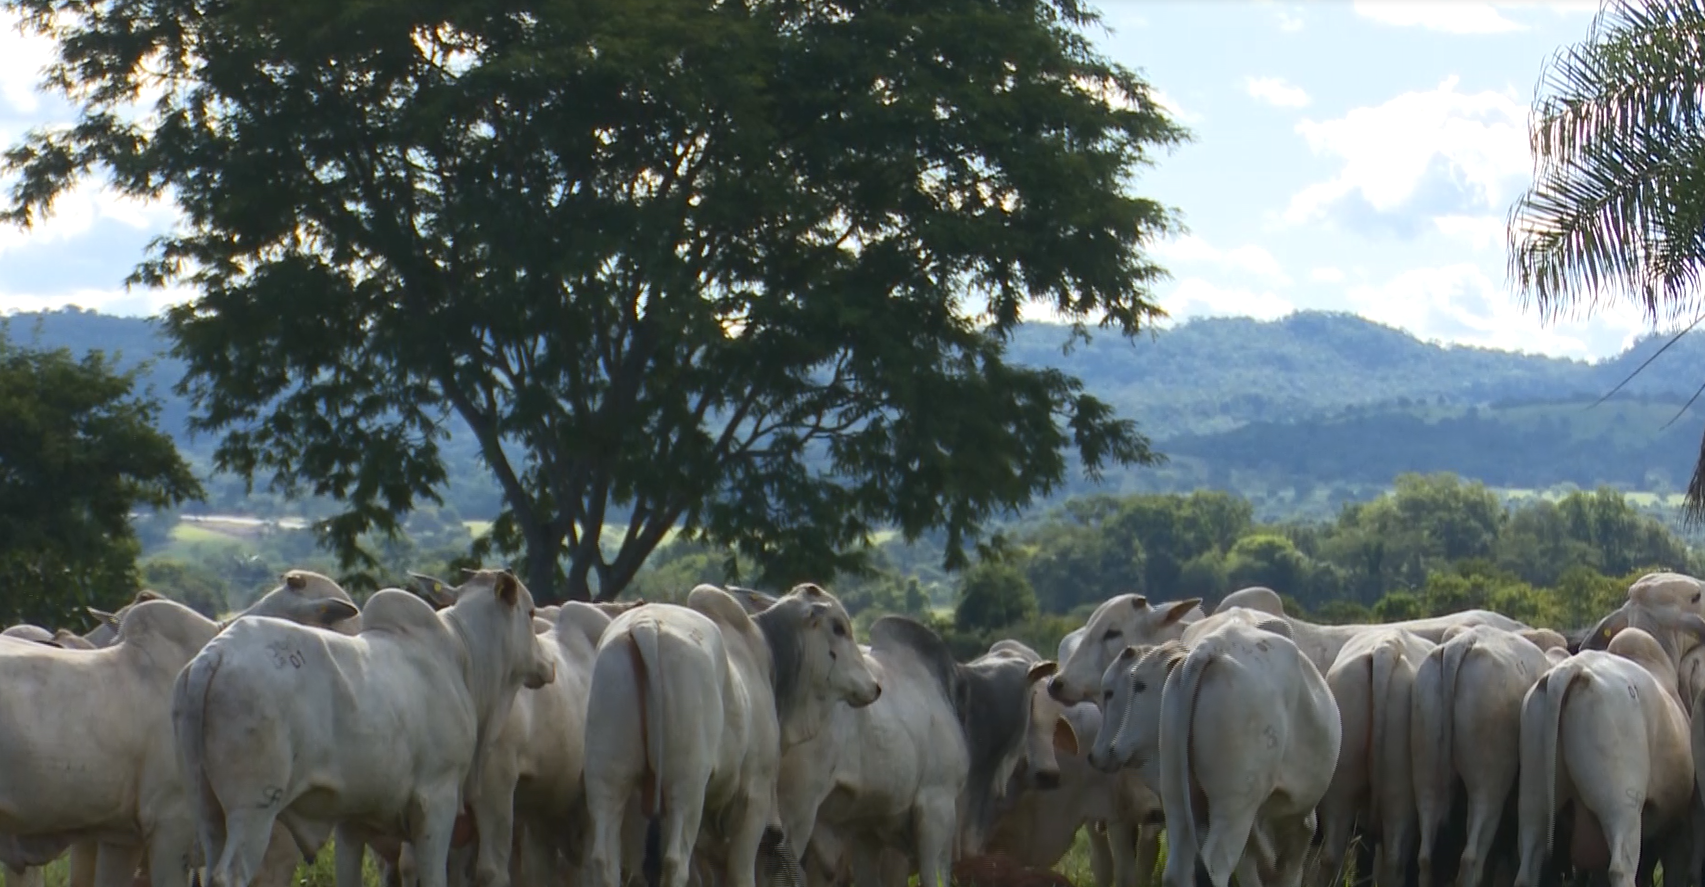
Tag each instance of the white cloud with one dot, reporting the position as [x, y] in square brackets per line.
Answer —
[1195, 297]
[1481, 232]
[1275, 91]
[1256, 260]
[1441, 146]
[1326, 275]
[1453, 18]
[1288, 23]
[1172, 107]
[77, 211]
[1461, 304]
[138, 301]
[22, 58]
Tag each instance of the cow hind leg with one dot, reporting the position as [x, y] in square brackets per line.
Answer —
[1292, 836]
[682, 814]
[936, 821]
[745, 841]
[434, 823]
[1227, 840]
[248, 831]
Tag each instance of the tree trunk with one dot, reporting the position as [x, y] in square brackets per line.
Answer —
[541, 569]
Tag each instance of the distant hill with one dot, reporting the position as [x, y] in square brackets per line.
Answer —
[1299, 414]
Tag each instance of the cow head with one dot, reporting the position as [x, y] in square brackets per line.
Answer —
[1049, 733]
[435, 591]
[1123, 621]
[1676, 626]
[828, 656]
[496, 606]
[309, 598]
[1131, 690]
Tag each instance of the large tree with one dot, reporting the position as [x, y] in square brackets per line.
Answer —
[78, 453]
[1616, 211]
[742, 268]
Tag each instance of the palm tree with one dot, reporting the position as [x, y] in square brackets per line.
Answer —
[1617, 207]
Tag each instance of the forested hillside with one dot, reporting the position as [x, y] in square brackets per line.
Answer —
[1300, 415]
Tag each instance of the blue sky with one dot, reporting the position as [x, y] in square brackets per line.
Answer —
[1348, 155]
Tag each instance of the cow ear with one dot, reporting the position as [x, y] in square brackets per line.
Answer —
[103, 616]
[1041, 670]
[508, 588]
[816, 613]
[1180, 610]
[295, 580]
[331, 611]
[1065, 738]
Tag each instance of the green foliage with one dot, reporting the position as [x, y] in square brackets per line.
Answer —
[191, 584]
[993, 594]
[657, 257]
[1300, 416]
[78, 453]
[1615, 211]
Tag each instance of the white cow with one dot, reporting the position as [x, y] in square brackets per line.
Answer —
[532, 773]
[1606, 730]
[126, 799]
[1037, 826]
[1259, 716]
[1121, 621]
[66, 781]
[1321, 643]
[691, 708]
[1372, 678]
[1465, 723]
[920, 769]
[417, 695]
[1129, 620]
[1122, 813]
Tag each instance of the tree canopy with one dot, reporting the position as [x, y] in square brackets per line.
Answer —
[78, 453]
[1617, 207]
[746, 269]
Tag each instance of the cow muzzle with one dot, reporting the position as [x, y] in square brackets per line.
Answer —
[1057, 689]
[864, 699]
[540, 677]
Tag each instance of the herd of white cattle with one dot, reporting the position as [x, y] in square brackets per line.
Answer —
[469, 738]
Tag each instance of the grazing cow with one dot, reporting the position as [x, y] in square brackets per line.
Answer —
[1122, 812]
[1372, 679]
[1606, 730]
[1464, 726]
[1259, 716]
[693, 708]
[1037, 826]
[418, 694]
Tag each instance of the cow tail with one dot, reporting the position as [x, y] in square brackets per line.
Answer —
[189, 721]
[1696, 733]
[1382, 663]
[650, 682]
[1178, 713]
[1552, 690]
[1450, 665]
